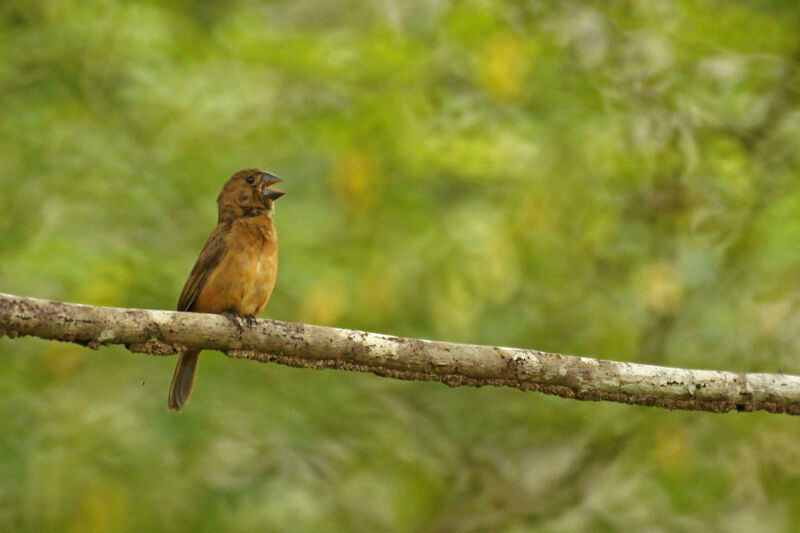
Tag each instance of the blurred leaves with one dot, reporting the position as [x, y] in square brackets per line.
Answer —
[613, 179]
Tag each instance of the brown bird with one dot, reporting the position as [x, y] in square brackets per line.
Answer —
[236, 270]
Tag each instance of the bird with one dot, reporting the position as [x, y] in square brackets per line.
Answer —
[237, 267]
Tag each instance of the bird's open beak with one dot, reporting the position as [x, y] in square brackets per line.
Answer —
[268, 179]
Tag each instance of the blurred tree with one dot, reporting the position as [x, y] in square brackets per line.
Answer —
[616, 179]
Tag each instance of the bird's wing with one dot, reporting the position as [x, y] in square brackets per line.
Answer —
[210, 257]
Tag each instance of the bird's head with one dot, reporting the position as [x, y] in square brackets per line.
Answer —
[247, 194]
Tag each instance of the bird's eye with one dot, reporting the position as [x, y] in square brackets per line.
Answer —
[253, 212]
[250, 179]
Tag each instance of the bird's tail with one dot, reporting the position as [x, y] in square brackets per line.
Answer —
[183, 379]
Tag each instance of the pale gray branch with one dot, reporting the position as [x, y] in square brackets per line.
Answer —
[165, 332]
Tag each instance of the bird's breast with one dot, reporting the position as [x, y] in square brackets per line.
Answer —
[245, 277]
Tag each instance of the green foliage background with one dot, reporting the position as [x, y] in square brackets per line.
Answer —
[614, 179]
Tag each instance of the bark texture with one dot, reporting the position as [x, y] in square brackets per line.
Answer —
[304, 345]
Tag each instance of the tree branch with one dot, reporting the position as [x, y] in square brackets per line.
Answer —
[303, 345]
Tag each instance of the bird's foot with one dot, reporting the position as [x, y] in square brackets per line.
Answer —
[250, 319]
[234, 317]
